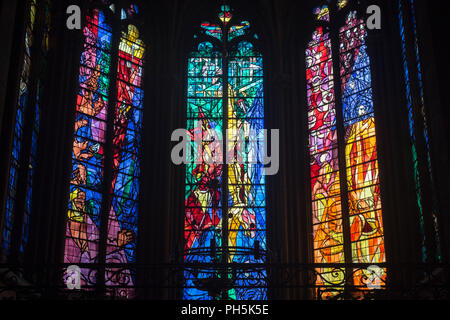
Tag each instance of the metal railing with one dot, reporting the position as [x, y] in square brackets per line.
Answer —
[319, 281]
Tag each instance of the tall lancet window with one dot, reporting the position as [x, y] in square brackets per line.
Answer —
[419, 133]
[345, 185]
[225, 215]
[103, 206]
[26, 128]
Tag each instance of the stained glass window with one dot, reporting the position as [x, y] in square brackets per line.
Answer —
[354, 228]
[96, 136]
[19, 129]
[418, 126]
[23, 159]
[225, 199]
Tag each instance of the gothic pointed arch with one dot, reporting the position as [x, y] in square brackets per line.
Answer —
[225, 210]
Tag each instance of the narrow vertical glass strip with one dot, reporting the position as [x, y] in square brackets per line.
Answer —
[83, 220]
[412, 130]
[425, 133]
[364, 196]
[22, 106]
[123, 215]
[323, 149]
[36, 128]
[203, 192]
[246, 180]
